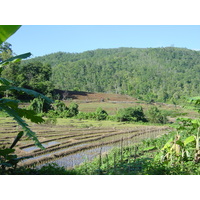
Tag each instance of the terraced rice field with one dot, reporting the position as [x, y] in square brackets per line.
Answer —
[69, 146]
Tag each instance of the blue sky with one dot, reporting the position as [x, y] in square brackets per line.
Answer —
[45, 39]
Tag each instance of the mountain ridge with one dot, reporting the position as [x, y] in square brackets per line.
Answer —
[161, 74]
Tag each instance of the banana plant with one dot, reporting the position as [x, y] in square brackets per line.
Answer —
[11, 107]
[181, 149]
[177, 150]
[7, 157]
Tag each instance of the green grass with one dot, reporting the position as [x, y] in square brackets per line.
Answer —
[112, 108]
[103, 124]
[3, 114]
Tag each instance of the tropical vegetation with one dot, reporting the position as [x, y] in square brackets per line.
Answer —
[155, 74]
[166, 74]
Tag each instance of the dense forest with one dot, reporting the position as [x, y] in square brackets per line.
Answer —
[167, 74]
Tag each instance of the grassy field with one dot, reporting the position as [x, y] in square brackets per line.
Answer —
[112, 107]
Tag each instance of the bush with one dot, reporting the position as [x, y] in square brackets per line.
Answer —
[135, 114]
[73, 109]
[101, 114]
[39, 105]
[82, 115]
[156, 116]
[59, 106]
[111, 117]
[51, 114]
[62, 111]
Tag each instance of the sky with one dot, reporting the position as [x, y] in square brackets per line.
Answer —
[45, 39]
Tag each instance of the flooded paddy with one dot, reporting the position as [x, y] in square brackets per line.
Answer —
[70, 146]
[80, 157]
[47, 144]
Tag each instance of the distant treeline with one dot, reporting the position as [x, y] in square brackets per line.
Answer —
[153, 74]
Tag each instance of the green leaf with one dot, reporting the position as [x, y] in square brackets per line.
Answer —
[189, 140]
[22, 158]
[31, 93]
[168, 144]
[149, 148]
[4, 81]
[179, 142]
[6, 31]
[9, 102]
[16, 58]
[196, 123]
[3, 88]
[30, 134]
[4, 152]
[30, 114]
[18, 137]
[6, 164]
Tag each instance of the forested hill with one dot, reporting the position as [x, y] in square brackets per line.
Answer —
[160, 74]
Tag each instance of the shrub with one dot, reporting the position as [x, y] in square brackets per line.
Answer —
[62, 111]
[111, 117]
[51, 114]
[39, 105]
[156, 116]
[135, 114]
[59, 106]
[82, 115]
[101, 114]
[73, 109]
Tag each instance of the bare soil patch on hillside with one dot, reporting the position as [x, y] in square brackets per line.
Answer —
[88, 96]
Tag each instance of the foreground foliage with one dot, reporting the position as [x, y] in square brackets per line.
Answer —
[8, 160]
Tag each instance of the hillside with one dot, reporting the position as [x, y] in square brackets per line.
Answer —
[162, 74]
[93, 97]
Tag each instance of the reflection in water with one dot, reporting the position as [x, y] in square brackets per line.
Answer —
[58, 151]
[72, 160]
[76, 159]
[47, 144]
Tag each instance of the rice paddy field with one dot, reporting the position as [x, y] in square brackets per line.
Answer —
[71, 141]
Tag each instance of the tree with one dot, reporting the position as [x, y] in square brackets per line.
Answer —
[11, 70]
[153, 73]
[5, 51]
[35, 76]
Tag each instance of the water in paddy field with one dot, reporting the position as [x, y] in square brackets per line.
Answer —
[47, 144]
[75, 159]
